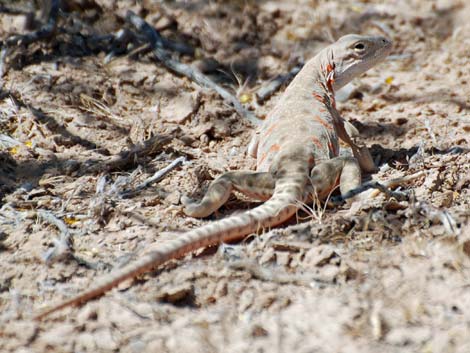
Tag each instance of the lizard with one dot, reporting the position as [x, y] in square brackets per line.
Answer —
[297, 156]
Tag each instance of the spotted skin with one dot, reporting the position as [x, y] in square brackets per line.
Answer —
[297, 149]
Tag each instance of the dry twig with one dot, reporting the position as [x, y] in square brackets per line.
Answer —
[147, 148]
[273, 86]
[62, 246]
[383, 187]
[42, 33]
[156, 43]
[436, 215]
[154, 178]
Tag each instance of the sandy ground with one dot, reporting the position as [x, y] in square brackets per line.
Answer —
[377, 275]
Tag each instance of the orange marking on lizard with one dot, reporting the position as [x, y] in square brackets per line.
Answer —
[270, 130]
[329, 83]
[322, 109]
[274, 148]
[316, 141]
[323, 123]
[311, 161]
[262, 157]
[318, 97]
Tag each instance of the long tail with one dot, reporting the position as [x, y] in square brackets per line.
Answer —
[276, 210]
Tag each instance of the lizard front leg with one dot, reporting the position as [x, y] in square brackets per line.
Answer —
[256, 185]
[347, 132]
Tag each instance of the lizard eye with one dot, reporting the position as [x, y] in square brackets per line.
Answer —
[359, 47]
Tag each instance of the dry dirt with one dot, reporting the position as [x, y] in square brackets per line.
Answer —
[375, 276]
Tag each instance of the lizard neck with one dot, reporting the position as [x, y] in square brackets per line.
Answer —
[317, 76]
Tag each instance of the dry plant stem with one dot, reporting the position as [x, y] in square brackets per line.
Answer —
[156, 43]
[366, 186]
[442, 216]
[3, 55]
[146, 148]
[121, 39]
[7, 141]
[154, 178]
[124, 36]
[13, 10]
[44, 32]
[273, 86]
[383, 187]
[63, 245]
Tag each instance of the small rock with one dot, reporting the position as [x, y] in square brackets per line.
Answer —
[221, 289]
[433, 181]
[466, 247]
[401, 121]
[176, 294]
[283, 258]
[268, 256]
[443, 200]
[204, 139]
[347, 92]
[163, 22]
[246, 300]
[105, 341]
[329, 273]
[258, 331]
[394, 206]
[71, 166]
[403, 336]
[173, 197]
[319, 256]
[24, 331]
[57, 336]
[180, 108]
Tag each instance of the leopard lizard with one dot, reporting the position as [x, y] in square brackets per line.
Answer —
[297, 156]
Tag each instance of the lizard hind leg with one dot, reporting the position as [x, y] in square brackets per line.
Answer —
[259, 186]
[344, 171]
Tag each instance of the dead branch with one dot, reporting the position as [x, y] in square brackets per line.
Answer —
[273, 86]
[383, 187]
[13, 10]
[42, 33]
[157, 45]
[436, 215]
[147, 148]
[154, 178]
[63, 246]
[3, 55]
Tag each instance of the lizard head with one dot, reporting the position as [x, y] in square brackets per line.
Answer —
[353, 55]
